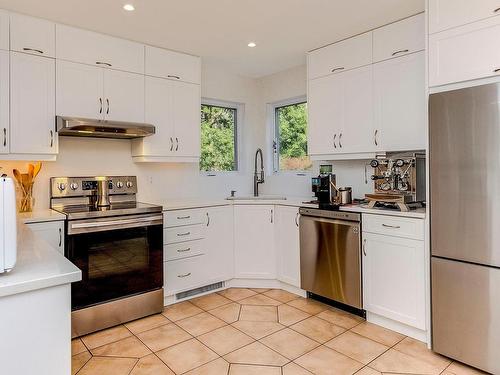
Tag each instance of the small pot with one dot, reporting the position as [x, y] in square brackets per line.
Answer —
[345, 195]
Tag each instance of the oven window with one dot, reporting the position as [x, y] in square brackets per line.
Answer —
[116, 264]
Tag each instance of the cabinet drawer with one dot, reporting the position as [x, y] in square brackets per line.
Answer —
[91, 48]
[466, 53]
[183, 217]
[32, 35]
[172, 65]
[184, 274]
[400, 38]
[183, 234]
[347, 54]
[182, 250]
[394, 226]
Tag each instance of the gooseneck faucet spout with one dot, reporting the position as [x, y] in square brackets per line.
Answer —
[258, 179]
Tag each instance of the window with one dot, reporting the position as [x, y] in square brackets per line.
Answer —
[219, 141]
[290, 137]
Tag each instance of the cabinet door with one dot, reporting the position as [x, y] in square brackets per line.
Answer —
[357, 133]
[255, 255]
[79, 90]
[4, 102]
[33, 94]
[400, 104]
[52, 232]
[172, 65]
[287, 245]
[219, 243]
[466, 53]
[123, 96]
[4, 30]
[159, 112]
[399, 38]
[445, 14]
[32, 35]
[394, 278]
[326, 114]
[186, 119]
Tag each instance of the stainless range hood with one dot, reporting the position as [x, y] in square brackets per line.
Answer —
[82, 127]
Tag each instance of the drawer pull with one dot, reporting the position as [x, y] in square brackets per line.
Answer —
[497, 70]
[337, 69]
[391, 226]
[103, 63]
[172, 76]
[184, 250]
[33, 50]
[496, 10]
[185, 275]
[400, 51]
[183, 217]
[183, 234]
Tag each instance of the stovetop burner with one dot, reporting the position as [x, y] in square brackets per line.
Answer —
[74, 212]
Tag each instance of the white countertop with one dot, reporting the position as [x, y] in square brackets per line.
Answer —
[38, 266]
[290, 201]
[40, 215]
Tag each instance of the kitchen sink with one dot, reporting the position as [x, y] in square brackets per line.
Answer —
[259, 198]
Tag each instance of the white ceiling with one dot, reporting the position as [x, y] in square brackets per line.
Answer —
[219, 30]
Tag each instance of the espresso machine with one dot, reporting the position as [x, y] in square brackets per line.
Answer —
[399, 181]
[325, 190]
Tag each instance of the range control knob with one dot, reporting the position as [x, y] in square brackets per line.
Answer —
[119, 184]
[73, 186]
[129, 184]
[61, 186]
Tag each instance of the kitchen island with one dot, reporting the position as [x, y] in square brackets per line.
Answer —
[35, 309]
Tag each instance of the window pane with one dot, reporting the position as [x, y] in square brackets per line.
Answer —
[292, 140]
[218, 135]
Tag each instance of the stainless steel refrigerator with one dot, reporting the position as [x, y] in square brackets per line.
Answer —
[465, 224]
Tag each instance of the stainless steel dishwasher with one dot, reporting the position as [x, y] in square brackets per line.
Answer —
[330, 255]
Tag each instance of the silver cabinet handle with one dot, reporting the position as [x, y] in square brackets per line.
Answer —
[496, 10]
[337, 69]
[272, 216]
[51, 138]
[400, 51]
[60, 237]
[183, 217]
[171, 144]
[176, 144]
[391, 226]
[172, 76]
[100, 105]
[183, 234]
[375, 137]
[184, 250]
[4, 137]
[33, 50]
[334, 140]
[103, 63]
[185, 275]
[364, 247]
[497, 70]
[107, 103]
[297, 219]
[208, 219]
[340, 140]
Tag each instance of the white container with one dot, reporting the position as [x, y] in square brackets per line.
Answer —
[8, 227]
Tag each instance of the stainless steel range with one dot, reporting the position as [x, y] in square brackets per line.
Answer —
[117, 243]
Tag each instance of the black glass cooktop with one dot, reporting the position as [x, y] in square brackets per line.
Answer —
[74, 212]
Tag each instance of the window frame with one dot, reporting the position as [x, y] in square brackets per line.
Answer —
[238, 126]
[274, 134]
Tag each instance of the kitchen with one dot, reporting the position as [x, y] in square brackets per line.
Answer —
[146, 252]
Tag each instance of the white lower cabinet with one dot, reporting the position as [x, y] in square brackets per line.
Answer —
[288, 245]
[52, 232]
[220, 243]
[184, 274]
[394, 278]
[254, 250]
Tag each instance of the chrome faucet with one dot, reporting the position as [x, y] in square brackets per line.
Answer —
[256, 178]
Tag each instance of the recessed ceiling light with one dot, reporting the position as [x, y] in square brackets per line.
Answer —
[252, 44]
[129, 7]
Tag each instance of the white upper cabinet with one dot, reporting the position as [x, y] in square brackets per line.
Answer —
[400, 105]
[91, 48]
[172, 65]
[4, 103]
[347, 54]
[4, 30]
[123, 96]
[465, 53]
[446, 14]
[79, 90]
[32, 35]
[32, 104]
[399, 38]
[187, 119]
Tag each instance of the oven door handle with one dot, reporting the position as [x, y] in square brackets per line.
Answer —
[91, 226]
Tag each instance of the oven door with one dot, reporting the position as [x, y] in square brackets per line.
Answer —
[118, 256]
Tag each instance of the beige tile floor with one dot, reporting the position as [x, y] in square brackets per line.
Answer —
[254, 332]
